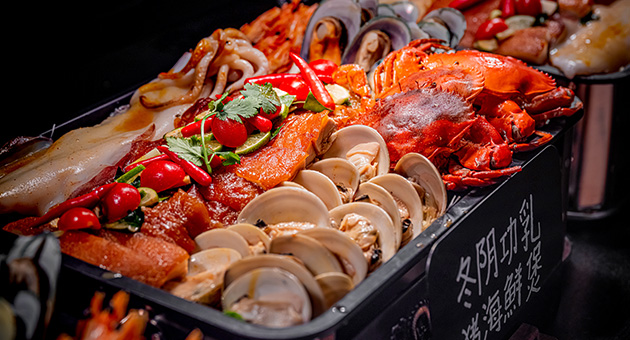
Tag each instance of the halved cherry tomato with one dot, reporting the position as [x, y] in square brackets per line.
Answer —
[161, 175]
[229, 132]
[78, 218]
[489, 28]
[528, 7]
[120, 201]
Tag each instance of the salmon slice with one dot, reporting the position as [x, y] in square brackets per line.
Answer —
[144, 258]
[301, 137]
[179, 219]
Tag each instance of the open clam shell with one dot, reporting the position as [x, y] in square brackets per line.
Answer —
[335, 286]
[214, 259]
[421, 172]
[388, 237]
[285, 262]
[313, 254]
[401, 189]
[223, 238]
[353, 136]
[257, 240]
[321, 185]
[270, 297]
[344, 248]
[285, 204]
[342, 173]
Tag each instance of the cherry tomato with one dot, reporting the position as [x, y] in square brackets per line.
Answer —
[120, 201]
[229, 132]
[78, 218]
[528, 7]
[161, 175]
[489, 28]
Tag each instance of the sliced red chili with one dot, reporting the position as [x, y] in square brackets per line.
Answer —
[314, 83]
[489, 28]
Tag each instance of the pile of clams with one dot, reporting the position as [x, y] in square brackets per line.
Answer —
[363, 32]
[300, 247]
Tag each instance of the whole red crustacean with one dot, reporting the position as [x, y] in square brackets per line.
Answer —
[467, 111]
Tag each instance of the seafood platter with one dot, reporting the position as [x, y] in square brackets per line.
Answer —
[292, 177]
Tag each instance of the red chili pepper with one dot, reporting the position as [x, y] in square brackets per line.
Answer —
[198, 174]
[528, 7]
[146, 162]
[88, 200]
[195, 128]
[463, 4]
[508, 8]
[489, 28]
[317, 87]
[291, 83]
[324, 69]
[261, 123]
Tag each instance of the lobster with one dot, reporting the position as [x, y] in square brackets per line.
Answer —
[467, 110]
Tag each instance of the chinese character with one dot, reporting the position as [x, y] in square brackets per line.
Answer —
[463, 275]
[472, 331]
[509, 242]
[493, 312]
[533, 266]
[512, 289]
[531, 232]
[487, 258]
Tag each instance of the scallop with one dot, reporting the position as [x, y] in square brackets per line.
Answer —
[352, 138]
[285, 204]
[388, 238]
[321, 185]
[270, 297]
[344, 248]
[285, 262]
[409, 200]
[313, 254]
[342, 173]
[223, 238]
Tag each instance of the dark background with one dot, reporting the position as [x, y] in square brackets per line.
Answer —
[64, 58]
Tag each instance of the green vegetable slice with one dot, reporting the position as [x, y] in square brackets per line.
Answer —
[254, 142]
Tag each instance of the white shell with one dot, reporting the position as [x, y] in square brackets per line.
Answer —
[381, 197]
[319, 184]
[313, 254]
[342, 173]
[335, 286]
[350, 136]
[269, 285]
[252, 234]
[285, 204]
[286, 262]
[215, 260]
[419, 170]
[222, 238]
[344, 248]
[387, 236]
[401, 188]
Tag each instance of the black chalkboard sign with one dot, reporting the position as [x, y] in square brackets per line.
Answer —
[486, 269]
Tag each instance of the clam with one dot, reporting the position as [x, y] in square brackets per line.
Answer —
[376, 194]
[371, 227]
[204, 280]
[357, 143]
[257, 240]
[335, 286]
[270, 297]
[331, 27]
[311, 252]
[223, 238]
[375, 40]
[449, 18]
[319, 184]
[427, 180]
[288, 206]
[285, 262]
[342, 173]
[344, 248]
[409, 203]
